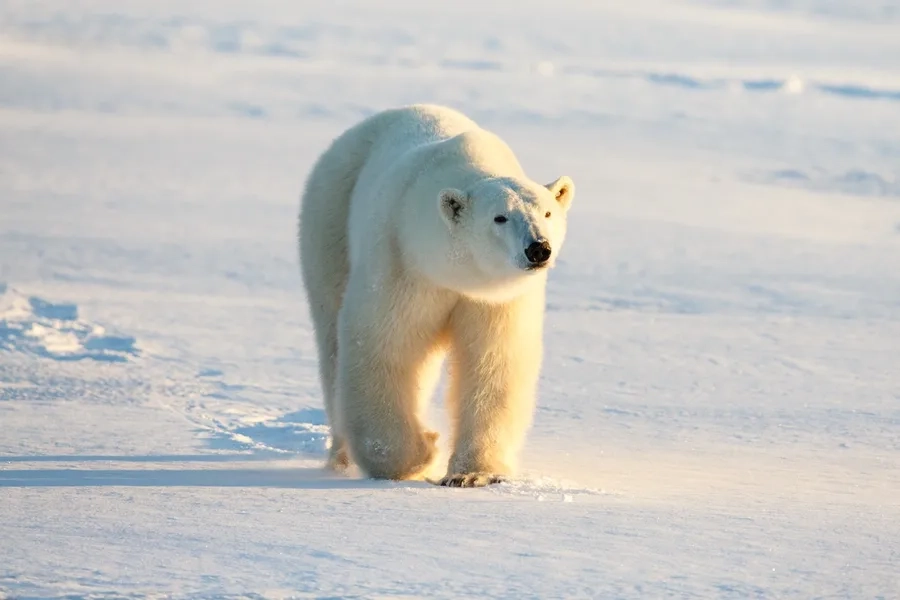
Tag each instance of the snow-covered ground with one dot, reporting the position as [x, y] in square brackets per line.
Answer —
[719, 412]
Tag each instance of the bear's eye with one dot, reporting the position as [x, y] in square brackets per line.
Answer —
[547, 214]
[500, 219]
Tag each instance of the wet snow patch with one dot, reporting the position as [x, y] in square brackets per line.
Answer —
[54, 330]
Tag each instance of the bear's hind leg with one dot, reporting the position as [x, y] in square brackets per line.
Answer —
[326, 337]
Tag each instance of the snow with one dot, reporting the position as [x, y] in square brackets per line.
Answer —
[54, 331]
[719, 411]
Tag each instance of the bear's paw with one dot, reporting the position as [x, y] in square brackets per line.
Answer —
[471, 480]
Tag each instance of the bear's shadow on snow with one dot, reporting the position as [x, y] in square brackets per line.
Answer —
[272, 477]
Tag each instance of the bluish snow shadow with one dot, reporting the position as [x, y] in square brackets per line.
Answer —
[148, 458]
[53, 330]
[292, 478]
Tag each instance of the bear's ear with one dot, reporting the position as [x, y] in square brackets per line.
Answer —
[452, 203]
[563, 189]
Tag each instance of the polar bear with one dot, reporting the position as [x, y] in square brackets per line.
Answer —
[421, 236]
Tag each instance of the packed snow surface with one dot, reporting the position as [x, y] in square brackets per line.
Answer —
[719, 410]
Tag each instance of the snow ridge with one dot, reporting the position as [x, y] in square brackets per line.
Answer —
[32, 325]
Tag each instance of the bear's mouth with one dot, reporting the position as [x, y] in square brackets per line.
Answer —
[538, 267]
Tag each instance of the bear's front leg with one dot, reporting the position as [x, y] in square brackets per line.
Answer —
[377, 399]
[386, 350]
[495, 363]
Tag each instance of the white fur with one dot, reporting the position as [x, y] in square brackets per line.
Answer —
[403, 262]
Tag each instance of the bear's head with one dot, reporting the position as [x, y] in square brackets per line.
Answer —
[511, 230]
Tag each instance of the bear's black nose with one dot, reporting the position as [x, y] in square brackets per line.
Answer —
[538, 252]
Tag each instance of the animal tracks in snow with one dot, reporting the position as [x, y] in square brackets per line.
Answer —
[301, 432]
[235, 424]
